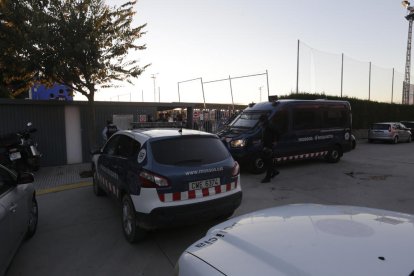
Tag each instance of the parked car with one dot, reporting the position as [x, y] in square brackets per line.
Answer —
[305, 239]
[166, 177]
[18, 213]
[391, 131]
[409, 124]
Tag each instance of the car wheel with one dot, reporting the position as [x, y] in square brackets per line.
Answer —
[96, 189]
[33, 218]
[257, 165]
[225, 216]
[132, 231]
[334, 155]
[409, 139]
[370, 140]
[395, 140]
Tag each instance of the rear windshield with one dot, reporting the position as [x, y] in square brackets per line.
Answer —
[381, 126]
[247, 120]
[407, 124]
[189, 151]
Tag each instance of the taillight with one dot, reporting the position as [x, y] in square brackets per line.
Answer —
[150, 180]
[236, 169]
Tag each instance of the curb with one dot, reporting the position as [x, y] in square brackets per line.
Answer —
[63, 188]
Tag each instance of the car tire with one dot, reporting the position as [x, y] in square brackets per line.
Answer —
[98, 191]
[370, 140]
[409, 139]
[257, 165]
[132, 231]
[225, 216]
[395, 140]
[334, 155]
[33, 219]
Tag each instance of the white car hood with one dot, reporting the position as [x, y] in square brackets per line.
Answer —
[308, 239]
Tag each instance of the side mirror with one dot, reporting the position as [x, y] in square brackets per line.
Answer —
[24, 178]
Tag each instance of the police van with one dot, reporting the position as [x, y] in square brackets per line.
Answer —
[306, 129]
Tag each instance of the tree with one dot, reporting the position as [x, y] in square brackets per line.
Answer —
[81, 43]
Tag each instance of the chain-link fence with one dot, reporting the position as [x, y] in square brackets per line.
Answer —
[340, 75]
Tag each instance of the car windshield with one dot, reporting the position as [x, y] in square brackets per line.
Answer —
[380, 126]
[247, 119]
[189, 151]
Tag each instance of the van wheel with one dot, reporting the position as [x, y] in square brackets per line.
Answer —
[96, 189]
[257, 165]
[132, 231]
[395, 140]
[334, 155]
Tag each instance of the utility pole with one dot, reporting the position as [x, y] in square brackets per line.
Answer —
[406, 84]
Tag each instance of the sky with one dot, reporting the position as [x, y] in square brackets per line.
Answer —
[207, 40]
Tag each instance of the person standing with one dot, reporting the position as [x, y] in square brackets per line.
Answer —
[269, 137]
[109, 130]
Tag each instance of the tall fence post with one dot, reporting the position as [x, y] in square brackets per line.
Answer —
[202, 89]
[342, 74]
[297, 71]
[369, 82]
[179, 100]
[267, 80]
[392, 85]
[231, 92]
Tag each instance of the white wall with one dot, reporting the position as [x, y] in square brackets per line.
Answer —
[73, 135]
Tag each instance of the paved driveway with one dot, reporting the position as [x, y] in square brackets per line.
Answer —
[80, 234]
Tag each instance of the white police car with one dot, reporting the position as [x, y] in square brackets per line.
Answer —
[166, 177]
[305, 239]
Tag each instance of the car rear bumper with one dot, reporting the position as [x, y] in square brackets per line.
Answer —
[189, 213]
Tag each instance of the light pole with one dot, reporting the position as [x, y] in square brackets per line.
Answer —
[154, 76]
[260, 89]
[406, 84]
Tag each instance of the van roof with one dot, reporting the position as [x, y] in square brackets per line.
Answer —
[271, 105]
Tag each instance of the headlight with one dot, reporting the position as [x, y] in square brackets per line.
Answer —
[238, 143]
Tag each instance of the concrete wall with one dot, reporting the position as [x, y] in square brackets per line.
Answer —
[62, 127]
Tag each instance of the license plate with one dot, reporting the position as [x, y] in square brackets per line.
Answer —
[15, 156]
[203, 184]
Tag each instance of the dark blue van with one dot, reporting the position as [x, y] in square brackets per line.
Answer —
[307, 129]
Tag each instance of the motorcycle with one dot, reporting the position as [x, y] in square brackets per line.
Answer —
[19, 152]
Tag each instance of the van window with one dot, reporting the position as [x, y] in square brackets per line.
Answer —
[305, 118]
[281, 121]
[247, 120]
[334, 117]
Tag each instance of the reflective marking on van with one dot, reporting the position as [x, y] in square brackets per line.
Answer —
[301, 156]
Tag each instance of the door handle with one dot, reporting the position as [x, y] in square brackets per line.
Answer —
[13, 207]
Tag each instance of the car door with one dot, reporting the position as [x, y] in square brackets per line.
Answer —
[106, 163]
[12, 216]
[402, 132]
[126, 164]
